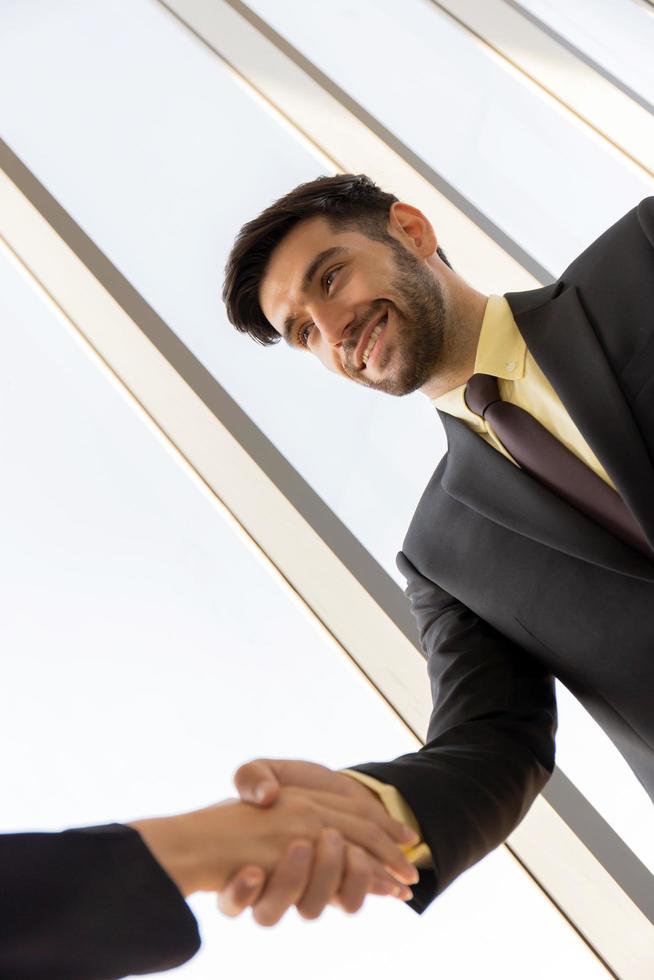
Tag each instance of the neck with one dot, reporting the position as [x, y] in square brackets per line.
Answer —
[465, 314]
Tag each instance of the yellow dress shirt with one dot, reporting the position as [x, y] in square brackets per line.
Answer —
[397, 807]
[502, 352]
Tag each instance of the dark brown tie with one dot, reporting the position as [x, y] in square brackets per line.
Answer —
[542, 455]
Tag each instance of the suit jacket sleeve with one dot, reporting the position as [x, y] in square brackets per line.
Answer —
[490, 743]
[88, 904]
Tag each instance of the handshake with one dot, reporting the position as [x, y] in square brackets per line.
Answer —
[300, 835]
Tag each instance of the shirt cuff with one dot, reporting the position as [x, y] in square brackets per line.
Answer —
[397, 807]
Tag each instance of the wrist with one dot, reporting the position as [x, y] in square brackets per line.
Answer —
[171, 844]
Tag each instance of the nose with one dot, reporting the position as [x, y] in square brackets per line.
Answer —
[334, 325]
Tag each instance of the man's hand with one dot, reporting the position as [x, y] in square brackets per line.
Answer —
[290, 877]
[299, 840]
[262, 781]
[288, 884]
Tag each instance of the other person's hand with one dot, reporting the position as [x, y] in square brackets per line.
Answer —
[262, 781]
[203, 849]
[346, 884]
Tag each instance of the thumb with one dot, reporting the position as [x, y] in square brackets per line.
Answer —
[242, 890]
[257, 782]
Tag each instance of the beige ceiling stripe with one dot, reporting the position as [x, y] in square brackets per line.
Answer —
[574, 84]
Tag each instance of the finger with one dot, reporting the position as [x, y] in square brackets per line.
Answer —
[385, 884]
[326, 874]
[257, 783]
[372, 809]
[286, 884]
[242, 890]
[371, 837]
[364, 876]
[268, 774]
[357, 879]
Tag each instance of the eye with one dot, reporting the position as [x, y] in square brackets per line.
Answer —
[328, 279]
[304, 334]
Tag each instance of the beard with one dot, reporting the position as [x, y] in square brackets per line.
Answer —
[417, 347]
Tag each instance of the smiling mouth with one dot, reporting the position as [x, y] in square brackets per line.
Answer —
[374, 337]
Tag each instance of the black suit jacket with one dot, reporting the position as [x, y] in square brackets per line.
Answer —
[88, 904]
[510, 585]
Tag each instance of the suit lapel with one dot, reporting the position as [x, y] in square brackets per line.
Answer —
[565, 346]
[486, 481]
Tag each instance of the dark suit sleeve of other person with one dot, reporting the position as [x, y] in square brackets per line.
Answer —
[88, 904]
[490, 743]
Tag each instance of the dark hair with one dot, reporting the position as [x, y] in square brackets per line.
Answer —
[348, 201]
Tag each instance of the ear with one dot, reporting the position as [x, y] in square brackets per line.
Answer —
[413, 229]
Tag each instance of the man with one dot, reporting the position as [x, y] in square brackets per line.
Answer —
[104, 902]
[530, 553]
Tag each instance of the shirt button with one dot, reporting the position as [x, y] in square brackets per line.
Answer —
[510, 366]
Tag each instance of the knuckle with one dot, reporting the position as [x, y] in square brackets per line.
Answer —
[302, 819]
[299, 806]
[331, 837]
[358, 857]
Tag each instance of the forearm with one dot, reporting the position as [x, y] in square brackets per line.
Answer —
[89, 902]
[490, 744]
[201, 850]
[468, 792]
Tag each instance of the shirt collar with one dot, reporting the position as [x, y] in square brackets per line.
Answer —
[501, 351]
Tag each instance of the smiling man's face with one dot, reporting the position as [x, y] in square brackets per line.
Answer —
[369, 310]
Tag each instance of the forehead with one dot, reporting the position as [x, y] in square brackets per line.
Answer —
[281, 285]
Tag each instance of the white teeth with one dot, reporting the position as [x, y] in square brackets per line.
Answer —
[373, 339]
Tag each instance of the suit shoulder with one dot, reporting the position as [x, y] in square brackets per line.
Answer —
[629, 240]
[614, 279]
[645, 213]
[615, 268]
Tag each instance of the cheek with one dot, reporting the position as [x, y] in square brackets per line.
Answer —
[329, 358]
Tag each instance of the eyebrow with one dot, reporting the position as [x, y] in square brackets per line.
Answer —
[308, 277]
